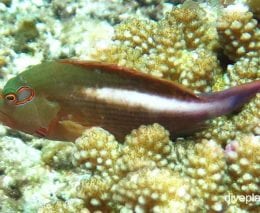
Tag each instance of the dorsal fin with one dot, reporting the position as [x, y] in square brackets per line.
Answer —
[139, 79]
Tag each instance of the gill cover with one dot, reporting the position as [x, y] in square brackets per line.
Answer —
[26, 111]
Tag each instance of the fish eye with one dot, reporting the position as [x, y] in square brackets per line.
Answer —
[10, 98]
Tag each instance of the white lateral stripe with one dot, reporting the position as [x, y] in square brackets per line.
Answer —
[144, 100]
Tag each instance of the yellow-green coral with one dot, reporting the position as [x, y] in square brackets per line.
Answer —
[248, 120]
[146, 146]
[155, 190]
[179, 47]
[199, 177]
[95, 193]
[243, 159]
[196, 27]
[208, 172]
[244, 70]
[239, 34]
[97, 151]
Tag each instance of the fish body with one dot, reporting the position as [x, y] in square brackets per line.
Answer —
[60, 99]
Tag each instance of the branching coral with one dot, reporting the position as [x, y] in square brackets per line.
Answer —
[244, 168]
[249, 119]
[147, 151]
[179, 47]
[208, 172]
[155, 190]
[97, 151]
[95, 193]
[146, 147]
[150, 173]
[244, 70]
[238, 33]
[196, 27]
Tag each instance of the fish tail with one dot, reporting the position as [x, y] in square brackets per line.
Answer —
[232, 99]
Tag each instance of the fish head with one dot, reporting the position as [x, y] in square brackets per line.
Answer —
[23, 109]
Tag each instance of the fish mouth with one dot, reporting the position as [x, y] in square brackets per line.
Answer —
[4, 119]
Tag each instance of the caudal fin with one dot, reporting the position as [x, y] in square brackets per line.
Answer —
[232, 99]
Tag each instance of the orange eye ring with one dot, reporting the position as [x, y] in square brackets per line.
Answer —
[11, 98]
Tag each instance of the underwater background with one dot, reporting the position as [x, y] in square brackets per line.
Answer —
[205, 45]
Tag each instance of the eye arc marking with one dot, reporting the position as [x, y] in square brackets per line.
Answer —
[24, 95]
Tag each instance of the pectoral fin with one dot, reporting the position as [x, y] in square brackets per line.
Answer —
[71, 129]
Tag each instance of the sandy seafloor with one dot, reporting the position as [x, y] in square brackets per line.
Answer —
[32, 31]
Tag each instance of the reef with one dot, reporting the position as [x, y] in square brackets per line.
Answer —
[205, 46]
[151, 173]
[179, 47]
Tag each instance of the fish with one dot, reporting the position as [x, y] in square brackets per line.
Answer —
[60, 99]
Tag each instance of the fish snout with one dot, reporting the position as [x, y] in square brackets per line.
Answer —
[5, 119]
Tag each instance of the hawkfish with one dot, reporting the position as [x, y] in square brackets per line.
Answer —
[61, 99]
